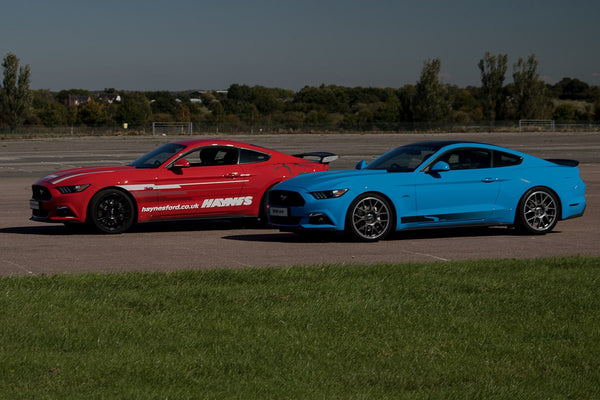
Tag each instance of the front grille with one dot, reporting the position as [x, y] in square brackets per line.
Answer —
[285, 198]
[40, 193]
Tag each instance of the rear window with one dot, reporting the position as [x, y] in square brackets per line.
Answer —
[250, 156]
[502, 159]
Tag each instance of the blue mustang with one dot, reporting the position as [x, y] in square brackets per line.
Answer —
[432, 184]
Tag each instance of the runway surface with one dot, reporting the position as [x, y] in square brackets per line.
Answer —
[30, 248]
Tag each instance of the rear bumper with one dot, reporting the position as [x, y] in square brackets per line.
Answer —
[576, 214]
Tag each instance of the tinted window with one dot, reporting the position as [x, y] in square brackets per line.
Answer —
[212, 155]
[403, 159]
[158, 156]
[250, 156]
[502, 159]
[468, 159]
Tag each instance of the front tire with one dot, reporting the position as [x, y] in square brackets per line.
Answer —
[263, 214]
[111, 211]
[370, 218]
[538, 211]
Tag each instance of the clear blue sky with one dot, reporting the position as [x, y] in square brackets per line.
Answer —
[206, 44]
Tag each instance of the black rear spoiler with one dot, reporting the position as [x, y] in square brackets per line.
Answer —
[322, 156]
[565, 162]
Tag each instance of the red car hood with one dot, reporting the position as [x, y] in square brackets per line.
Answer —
[80, 174]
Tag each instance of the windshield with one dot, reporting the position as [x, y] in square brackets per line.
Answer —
[405, 158]
[158, 156]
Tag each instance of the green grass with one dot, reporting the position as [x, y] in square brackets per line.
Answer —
[502, 329]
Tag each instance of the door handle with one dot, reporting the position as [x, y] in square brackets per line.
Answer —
[232, 175]
[489, 180]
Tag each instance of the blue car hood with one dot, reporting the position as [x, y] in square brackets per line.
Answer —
[329, 179]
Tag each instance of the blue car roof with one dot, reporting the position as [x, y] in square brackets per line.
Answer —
[438, 144]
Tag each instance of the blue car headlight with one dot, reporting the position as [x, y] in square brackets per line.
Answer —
[329, 194]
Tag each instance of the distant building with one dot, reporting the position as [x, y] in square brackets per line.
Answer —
[73, 100]
[109, 98]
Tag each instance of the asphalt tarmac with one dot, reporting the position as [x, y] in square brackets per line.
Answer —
[30, 248]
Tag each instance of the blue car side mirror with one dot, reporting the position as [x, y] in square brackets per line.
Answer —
[362, 164]
[440, 166]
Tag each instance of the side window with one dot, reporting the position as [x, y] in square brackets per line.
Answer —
[468, 159]
[213, 155]
[502, 159]
[250, 156]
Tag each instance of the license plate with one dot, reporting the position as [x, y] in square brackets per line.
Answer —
[34, 204]
[278, 212]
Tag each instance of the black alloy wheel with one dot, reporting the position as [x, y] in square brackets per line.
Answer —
[111, 211]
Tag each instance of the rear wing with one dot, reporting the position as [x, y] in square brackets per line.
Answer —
[565, 162]
[320, 156]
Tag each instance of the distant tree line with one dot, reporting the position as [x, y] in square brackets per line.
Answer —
[428, 101]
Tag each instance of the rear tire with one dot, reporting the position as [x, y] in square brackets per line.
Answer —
[538, 211]
[370, 218]
[111, 211]
[263, 216]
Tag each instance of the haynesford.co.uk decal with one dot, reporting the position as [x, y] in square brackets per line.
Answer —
[171, 207]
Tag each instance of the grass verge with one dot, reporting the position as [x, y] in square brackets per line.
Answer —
[497, 329]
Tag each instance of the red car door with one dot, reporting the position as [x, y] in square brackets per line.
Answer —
[204, 182]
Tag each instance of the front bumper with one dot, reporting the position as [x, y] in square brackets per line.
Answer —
[49, 205]
[299, 211]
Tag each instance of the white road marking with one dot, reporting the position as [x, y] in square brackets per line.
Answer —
[19, 266]
[426, 255]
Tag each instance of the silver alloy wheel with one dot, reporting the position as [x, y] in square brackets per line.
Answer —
[539, 211]
[371, 218]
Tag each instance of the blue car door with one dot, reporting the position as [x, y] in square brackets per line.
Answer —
[464, 192]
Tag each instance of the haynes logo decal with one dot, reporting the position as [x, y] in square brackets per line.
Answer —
[227, 202]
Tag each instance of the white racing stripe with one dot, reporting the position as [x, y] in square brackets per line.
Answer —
[152, 186]
[214, 183]
[75, 175]
[148, 186]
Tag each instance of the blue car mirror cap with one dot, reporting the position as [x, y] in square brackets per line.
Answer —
[362, 164]
[440, 166]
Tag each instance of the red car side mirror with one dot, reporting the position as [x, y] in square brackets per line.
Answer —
[181, 163]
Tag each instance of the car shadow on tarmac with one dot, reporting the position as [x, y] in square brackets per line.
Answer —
[169, 226]
[50, 230]
[261, 233]
[425, 234]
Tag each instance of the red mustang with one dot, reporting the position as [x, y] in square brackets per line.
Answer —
[185, 179]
